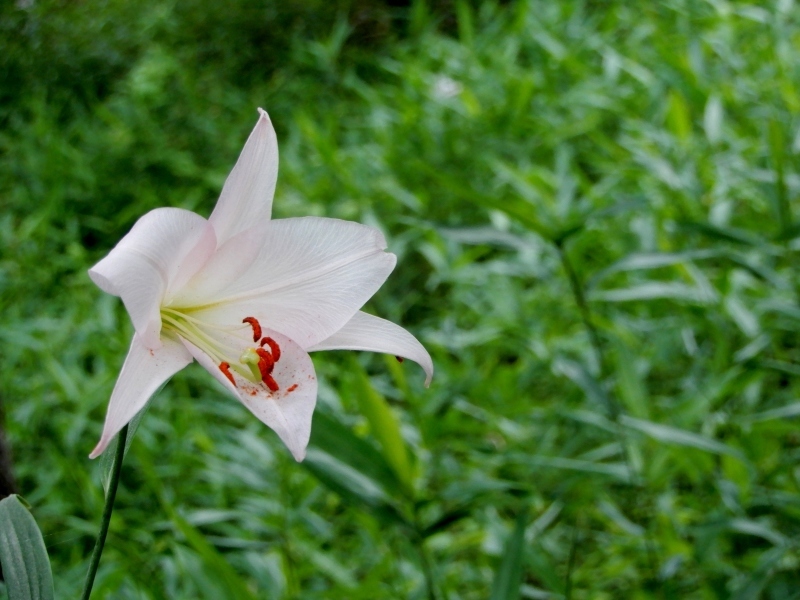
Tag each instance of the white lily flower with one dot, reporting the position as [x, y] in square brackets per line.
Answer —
[248, 298]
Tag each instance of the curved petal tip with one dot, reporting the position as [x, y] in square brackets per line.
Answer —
[367, 332]
[100, 448]
[299, 453]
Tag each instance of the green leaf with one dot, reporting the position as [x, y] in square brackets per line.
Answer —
[713, 118]
[753, 585]
[26, 567]
[578, 374]
[724, 234]
[784, 412]
[385, 426]
[326, 564]
[680, 437]
[353, 468]
[508, 579]
[449, 518]
[344, 479]
[215, 562]
[639, 261]
[520, 210]
[331, 437]
[783, 210]
[618, 470]
[631, 387]
[466, 29]
[678, 118]
[657, 290]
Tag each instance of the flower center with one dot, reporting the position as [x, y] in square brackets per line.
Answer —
[224, 344]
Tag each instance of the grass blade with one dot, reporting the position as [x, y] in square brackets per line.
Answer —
[508, 579]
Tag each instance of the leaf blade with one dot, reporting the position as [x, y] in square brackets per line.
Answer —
[385, 426]
[26, 566]
[508, 579]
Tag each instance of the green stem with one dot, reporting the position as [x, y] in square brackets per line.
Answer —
[614, 410]
[424, 558]
[287, 553]
[573, 552]
[583, 306]
[427, 570]
[111, 494]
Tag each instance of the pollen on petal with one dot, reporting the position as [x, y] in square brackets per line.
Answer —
[226, 370]
[292, 387]
[256, 327]
[273, 346]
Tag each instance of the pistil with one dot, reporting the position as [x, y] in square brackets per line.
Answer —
[254, 364]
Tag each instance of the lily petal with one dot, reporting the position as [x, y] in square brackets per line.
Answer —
[286, 411]
[246, 197]
[142, 374]
[160, 253]
[308, 278]
[367, 332]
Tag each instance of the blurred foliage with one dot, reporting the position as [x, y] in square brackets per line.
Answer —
[594, 206]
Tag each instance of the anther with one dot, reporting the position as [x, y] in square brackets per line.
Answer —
[265, 363]
[399, 359]
[271, 383]
[226, 370]
[255, 325]
[273, 345]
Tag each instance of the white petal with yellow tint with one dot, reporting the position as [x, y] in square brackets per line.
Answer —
[246, 197]
[164, 249]
[303, 279]
[288, 410]
[309, 277]
[144, 371]
[367, 332]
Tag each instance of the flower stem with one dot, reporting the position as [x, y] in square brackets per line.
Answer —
[116, 468]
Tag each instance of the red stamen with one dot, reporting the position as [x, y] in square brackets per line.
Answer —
[399, 359]
[271, 383]
[226, 369]
[273, 345]
[266, 362]
[255, 325]
[292, 387]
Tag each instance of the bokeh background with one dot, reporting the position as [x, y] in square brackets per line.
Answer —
[594, 207]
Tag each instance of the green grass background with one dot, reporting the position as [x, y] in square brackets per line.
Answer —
[595, 210]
